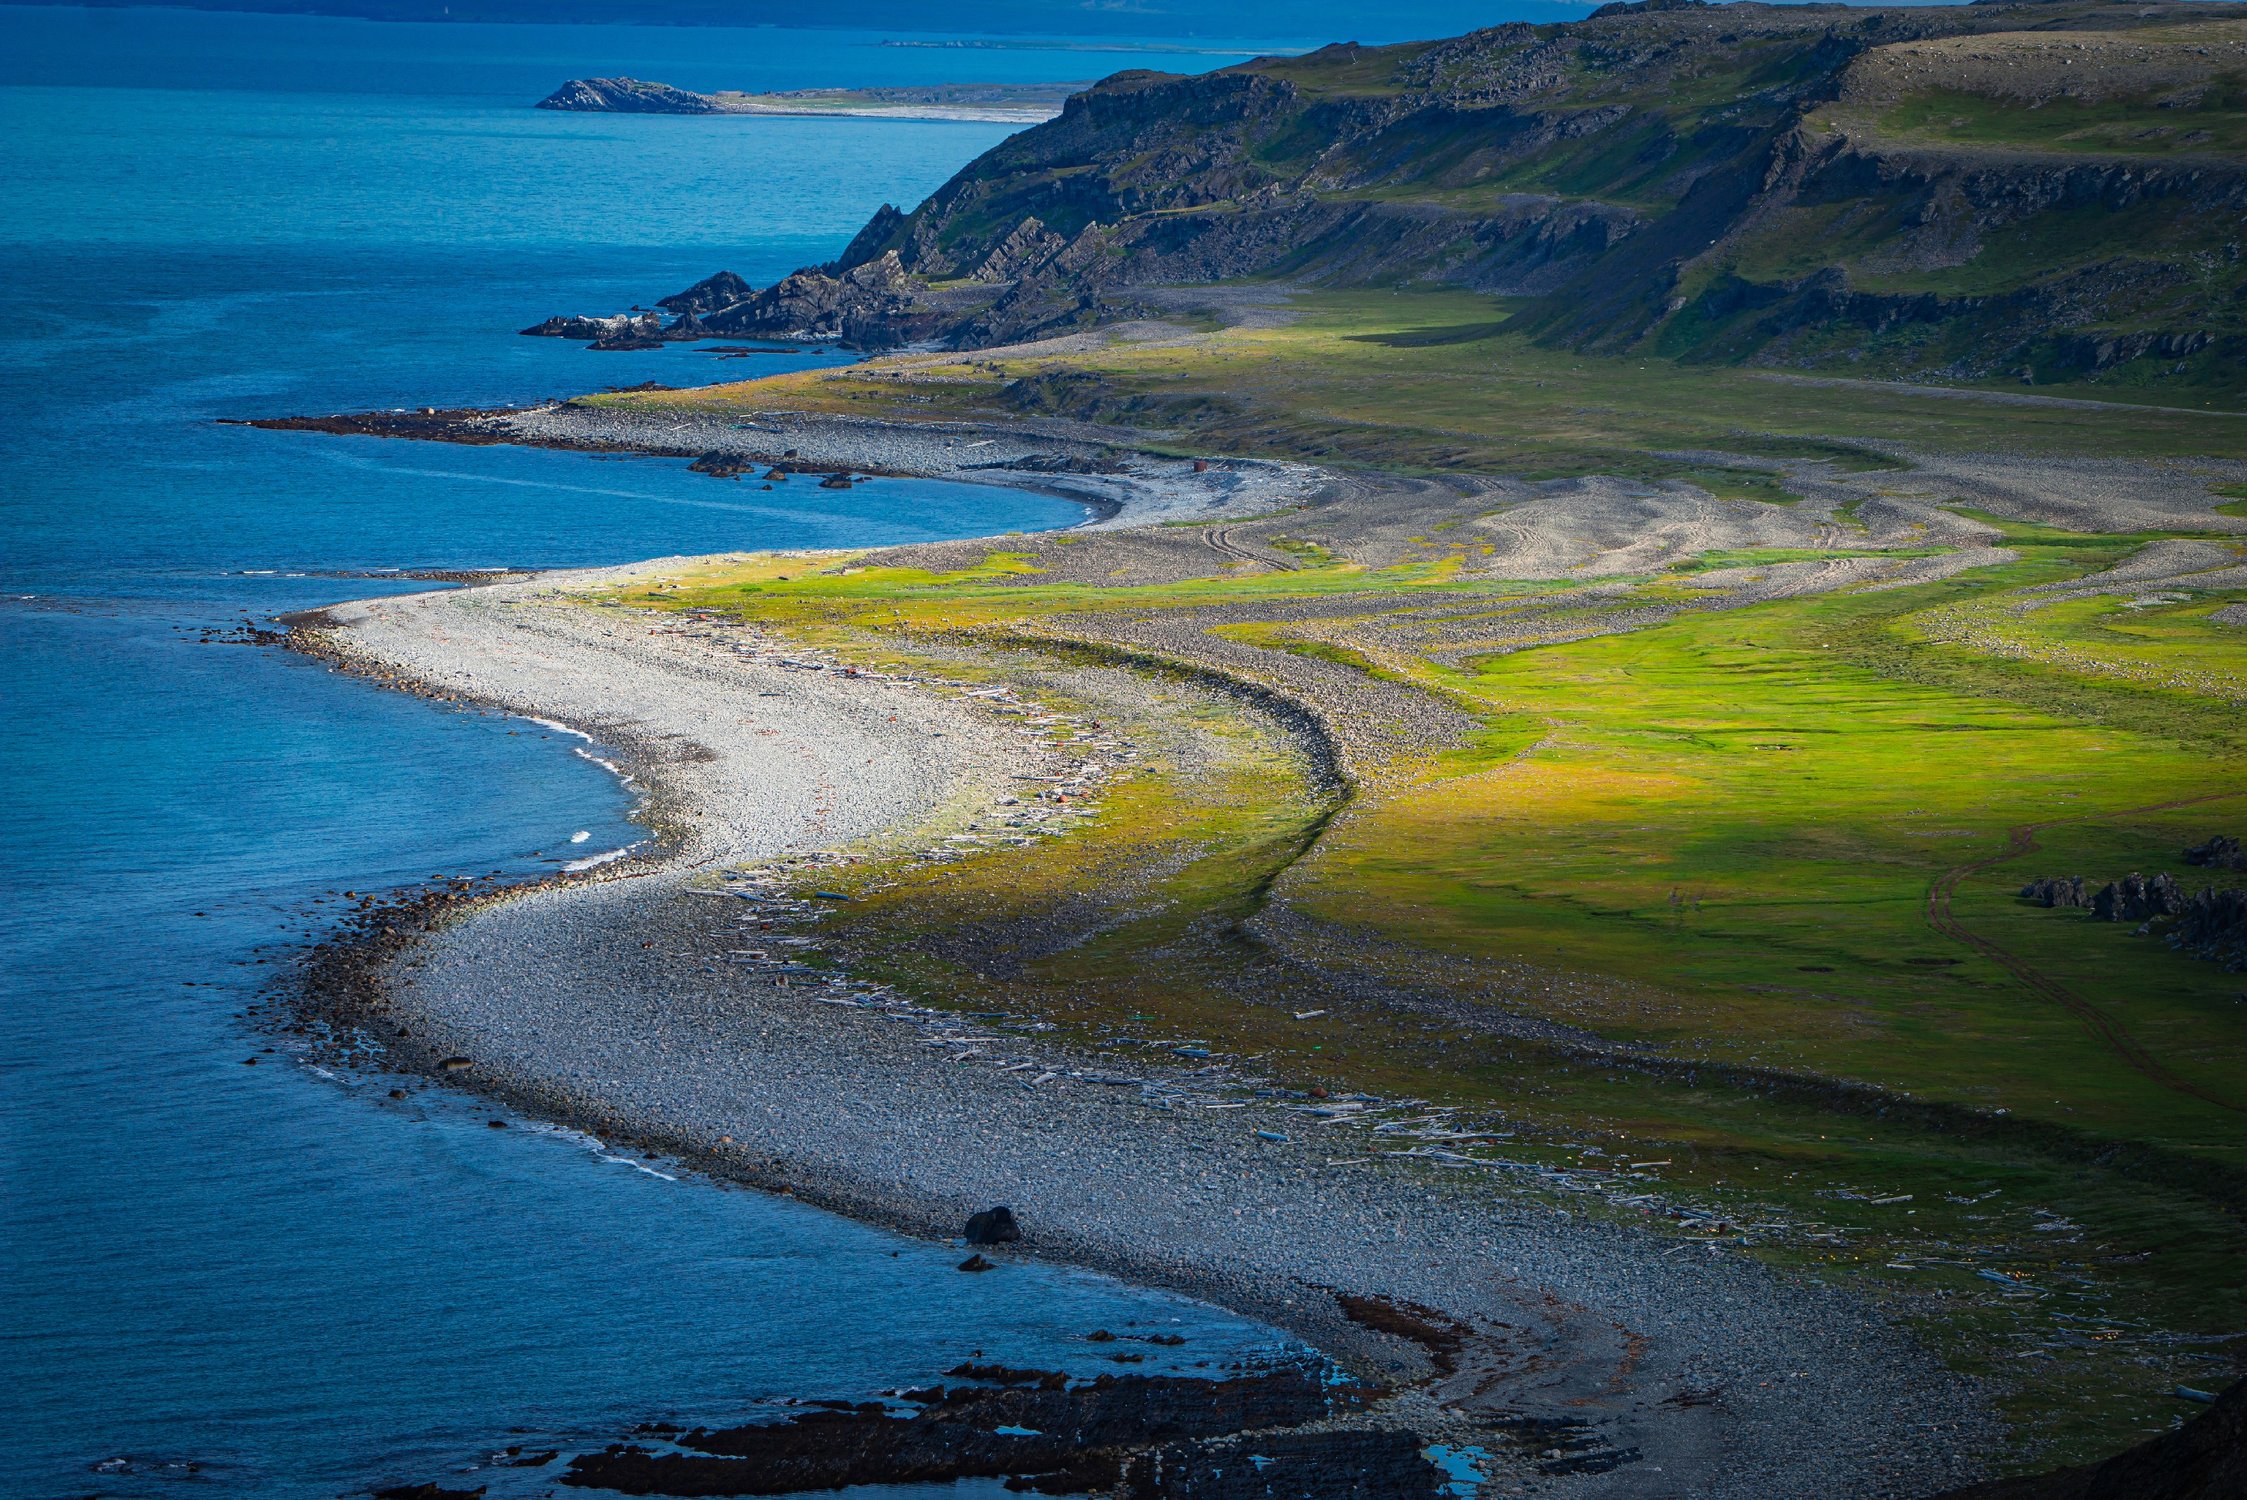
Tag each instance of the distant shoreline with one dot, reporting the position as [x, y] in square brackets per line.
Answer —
[966, 103]
[1118, 486]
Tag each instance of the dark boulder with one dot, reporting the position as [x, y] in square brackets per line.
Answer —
[978, 1263]
[993, 1226]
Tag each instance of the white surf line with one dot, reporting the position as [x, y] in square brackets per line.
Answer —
[555, 725]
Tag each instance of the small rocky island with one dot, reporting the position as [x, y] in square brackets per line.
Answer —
[988, 103]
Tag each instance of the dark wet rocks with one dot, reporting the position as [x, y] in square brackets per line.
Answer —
[1346, 1465]
[466, 425]
[1037, 1431]
[248, 633]
[993, 1226]
[622, 332]
[978, 1263]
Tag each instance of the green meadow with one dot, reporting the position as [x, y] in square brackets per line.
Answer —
[1752, 871]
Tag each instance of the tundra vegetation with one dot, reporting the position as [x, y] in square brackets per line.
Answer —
[1742, 579]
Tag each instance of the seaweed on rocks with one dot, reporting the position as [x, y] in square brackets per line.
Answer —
[1044, 1435]
[1345, 1465]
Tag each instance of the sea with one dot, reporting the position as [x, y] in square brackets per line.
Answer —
[225, 1271]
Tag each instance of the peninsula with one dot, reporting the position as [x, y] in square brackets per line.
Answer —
[990, 103]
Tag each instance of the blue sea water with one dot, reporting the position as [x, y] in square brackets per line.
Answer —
[265, 1281]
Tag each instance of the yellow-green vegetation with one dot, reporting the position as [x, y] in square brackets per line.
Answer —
[1732, 890]
[1713, 843]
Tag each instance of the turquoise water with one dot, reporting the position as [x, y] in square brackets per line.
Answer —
[265, 1281]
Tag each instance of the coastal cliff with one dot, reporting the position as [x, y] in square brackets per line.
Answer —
[2043, 191]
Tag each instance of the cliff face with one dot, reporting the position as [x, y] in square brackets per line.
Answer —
[2054, 190]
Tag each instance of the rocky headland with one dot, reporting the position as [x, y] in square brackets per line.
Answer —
[2049, 192]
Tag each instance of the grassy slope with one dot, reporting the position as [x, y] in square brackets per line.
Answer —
[1429, 381]
[1683, 125]
[1715, 838]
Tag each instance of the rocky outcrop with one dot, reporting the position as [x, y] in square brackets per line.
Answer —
[2213, 925]
[1649, 176]
[2068, 891]
[631, 96]
[2134, 898]
[624, 331]
[873, 306]
[710, 294]
[2221, 852]
[1168, 1434]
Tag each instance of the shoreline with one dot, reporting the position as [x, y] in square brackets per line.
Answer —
[1120, 486]
[610, 1001]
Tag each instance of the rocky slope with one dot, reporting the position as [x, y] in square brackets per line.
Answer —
[2050, 191]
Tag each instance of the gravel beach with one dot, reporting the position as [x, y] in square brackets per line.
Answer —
[662, 1000]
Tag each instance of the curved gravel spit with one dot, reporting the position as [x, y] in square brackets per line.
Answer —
[652, 1002]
